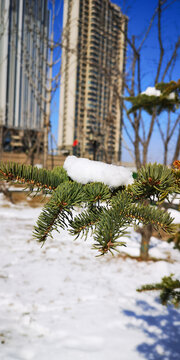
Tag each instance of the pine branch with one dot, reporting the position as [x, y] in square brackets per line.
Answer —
[123, 199]
[170, 290]
[96, 192]
[58, 211]
[154, 180]
[107, 223]
[176, 173]
[160, 219]
[175, 238]
[149, 103]
[125, 205]
[83, 223]
[32, 176]
[110, 223]
[108, 230]
[168, 88]
[113, 222]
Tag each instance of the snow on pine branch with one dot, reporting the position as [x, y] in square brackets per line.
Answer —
[152, 91]
[84, 171]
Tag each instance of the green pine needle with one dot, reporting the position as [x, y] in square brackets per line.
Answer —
[32, 176]
[84, 222]
[154, 180]
[108, 230]
[170, 290]
[57, 212]
[96, 192]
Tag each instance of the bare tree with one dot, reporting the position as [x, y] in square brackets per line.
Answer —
[138, 131]
[177, 148]
[137, 127]
[167, 133]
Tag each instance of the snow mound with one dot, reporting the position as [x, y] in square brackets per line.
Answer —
[171, 96]
[63, 302]
[84, 171]
[151, 91]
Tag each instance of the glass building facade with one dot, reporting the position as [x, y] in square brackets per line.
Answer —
[23, 63]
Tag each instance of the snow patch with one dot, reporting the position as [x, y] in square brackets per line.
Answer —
[84, 171]
[97, 314]
[171, 96]
[175, 214]
[152, 91]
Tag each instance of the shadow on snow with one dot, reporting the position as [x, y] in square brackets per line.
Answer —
[162, 331]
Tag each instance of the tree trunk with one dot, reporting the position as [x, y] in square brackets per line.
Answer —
[165, 152]
[145, 149]
[137, 154]
[146, 233]
[177, 149]
[136, 142]
[1, 142]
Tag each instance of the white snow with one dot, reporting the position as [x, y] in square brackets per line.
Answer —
[60, 302]
[175, 215]
[84, 171]
[175, 199]
[152, 91]
[171, 96]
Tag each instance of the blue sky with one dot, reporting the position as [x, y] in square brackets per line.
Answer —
[139, 13]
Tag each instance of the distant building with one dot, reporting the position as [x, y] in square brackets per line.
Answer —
[23, 61]
[93, 63]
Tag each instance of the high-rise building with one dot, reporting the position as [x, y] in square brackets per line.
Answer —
[23, 68]
[93, 64]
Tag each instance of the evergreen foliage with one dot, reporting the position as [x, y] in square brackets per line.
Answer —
[176, 172]
[84, 222]
[96, 192]
[175, 239]
[169, 290]
[106, 212]
[151, 103]
[168, 88]
[155, 181]
[158, 181]
[32, 176]
[58, 210]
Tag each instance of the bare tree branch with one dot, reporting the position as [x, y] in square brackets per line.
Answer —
[160, 130]
[173, 56]
[128, 134]
[160, 42]
[177, 148]
[174, 127]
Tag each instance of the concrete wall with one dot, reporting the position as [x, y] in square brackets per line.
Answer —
[4, 23]
[68, 71]
[21, 158]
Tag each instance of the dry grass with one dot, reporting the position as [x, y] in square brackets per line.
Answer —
[16, 197]
[125, 256]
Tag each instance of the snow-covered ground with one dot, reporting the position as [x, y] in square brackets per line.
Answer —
[60, 302]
